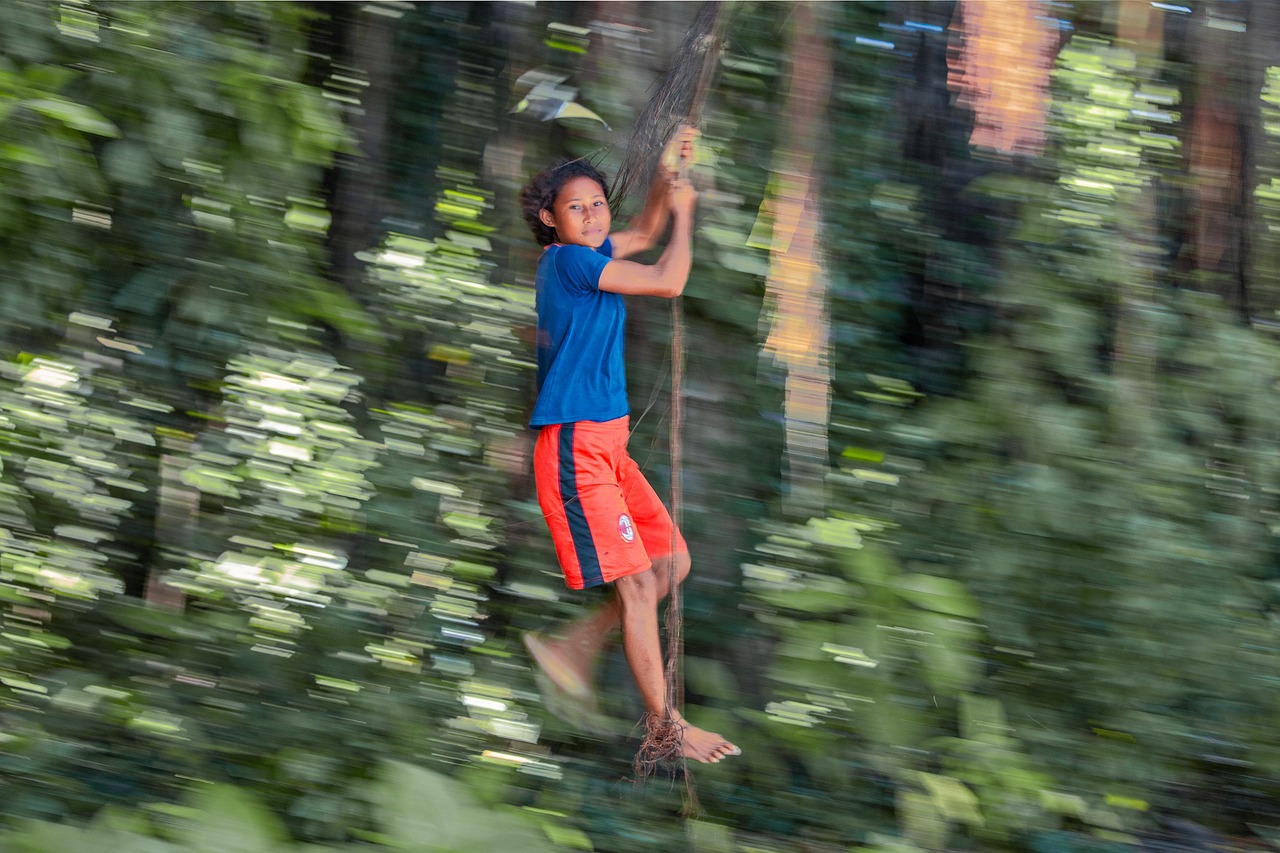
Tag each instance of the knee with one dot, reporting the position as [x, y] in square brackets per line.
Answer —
[682, 566]
[638, 590]
[663, 565]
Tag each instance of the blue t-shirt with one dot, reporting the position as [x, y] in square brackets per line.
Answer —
[581, 375]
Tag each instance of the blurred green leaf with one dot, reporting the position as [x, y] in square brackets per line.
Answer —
[146, 619]
[75, 116]
[953, 798]
[939, 594]
[711, 678]
[226, 819]
[128, 162]
[420, 809]
[871, 564]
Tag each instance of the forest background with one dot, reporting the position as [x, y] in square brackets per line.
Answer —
[981, 427]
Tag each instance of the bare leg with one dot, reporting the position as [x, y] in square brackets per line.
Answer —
[569, 657]
[638, 597]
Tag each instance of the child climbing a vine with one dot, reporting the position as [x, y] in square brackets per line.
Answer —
[608, 524]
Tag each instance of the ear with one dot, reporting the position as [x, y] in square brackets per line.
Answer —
[547, 218]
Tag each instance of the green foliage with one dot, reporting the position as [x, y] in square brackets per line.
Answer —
[71, 448]
[1055, 537]
[1111, 131]
[319, 596]
[1264, 245]
[1078, 488]
[876, 662]
[1041, 600]
[186, 203]
[417, 810]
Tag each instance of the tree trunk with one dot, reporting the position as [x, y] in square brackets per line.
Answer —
[1216, 149]
[1135, 338]
[799, 336]
[358, 200]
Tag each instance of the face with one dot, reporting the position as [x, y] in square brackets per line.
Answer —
[580, 214]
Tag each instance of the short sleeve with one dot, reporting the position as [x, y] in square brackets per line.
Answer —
[579, 267]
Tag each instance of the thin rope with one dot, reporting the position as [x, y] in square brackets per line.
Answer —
[680, 97]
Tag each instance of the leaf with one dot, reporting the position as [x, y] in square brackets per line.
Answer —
[981, 717]
[870, 564]
[835, 533]
[708, 837]
[156, 622]
[330, 304]
[1006, 187]
[229, 820]
[420, 809]
[173, 135]
[953, 797]
[942, 595]
[75, 116]
[119, 819]
[414, 805]
[504, 830]
[711, 678]
[128, 162]
[147, 292]
[45, 837]
[1057, 802]
[889, 722]
[825, 598]
[948, 670]
[210, 482]
[572, 109]
[102, 834]
[921, 820]
[48, 78]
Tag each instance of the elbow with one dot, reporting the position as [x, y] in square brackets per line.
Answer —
[669, 279]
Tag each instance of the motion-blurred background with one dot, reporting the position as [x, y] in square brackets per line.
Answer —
[981, 439]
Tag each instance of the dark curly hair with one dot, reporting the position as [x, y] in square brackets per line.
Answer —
[540, 193]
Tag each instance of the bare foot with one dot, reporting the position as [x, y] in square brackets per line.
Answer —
[567, 671]
[707, 747]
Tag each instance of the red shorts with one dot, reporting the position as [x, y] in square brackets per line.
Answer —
[605, 518]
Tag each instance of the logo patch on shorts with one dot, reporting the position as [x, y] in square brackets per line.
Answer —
[626, 529]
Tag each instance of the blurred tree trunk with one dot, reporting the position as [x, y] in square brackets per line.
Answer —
[799, 320]
[176, 522]
[1135, 346]
[364, 43]
[935, 158]
[1220, 151]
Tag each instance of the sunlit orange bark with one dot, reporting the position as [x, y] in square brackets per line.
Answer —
[797, 286]
[1214, 152]
[1001, 71]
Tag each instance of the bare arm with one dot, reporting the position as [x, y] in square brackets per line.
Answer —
[642, 233]
[668, 276]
